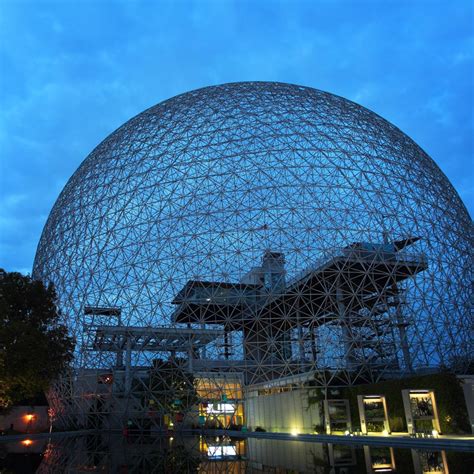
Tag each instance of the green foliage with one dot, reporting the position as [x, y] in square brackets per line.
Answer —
[315, 396]
[34, 345]
[423, 426]
[319, 428]
[448, 393]
[375, 427]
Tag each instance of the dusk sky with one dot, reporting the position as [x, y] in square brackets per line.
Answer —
[71, 72]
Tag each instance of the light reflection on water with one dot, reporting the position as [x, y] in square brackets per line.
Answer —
[147, 454]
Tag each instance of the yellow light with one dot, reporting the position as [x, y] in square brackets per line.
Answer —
[294, 432]
[435, 433]
[29, 417]
[385, 432]
[27, 442]
[347, 433]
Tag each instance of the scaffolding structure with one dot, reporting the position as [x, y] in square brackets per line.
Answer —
[267, 330]
[252, 235]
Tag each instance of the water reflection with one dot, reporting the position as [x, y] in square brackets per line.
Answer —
[148, 454]
[379, 459]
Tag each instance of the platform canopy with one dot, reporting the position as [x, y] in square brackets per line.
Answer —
[152, 339]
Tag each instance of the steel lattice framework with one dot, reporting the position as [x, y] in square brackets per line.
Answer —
[257, 231]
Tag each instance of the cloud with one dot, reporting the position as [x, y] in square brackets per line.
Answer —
[72, 72]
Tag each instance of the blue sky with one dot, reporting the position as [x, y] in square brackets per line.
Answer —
[73, 71]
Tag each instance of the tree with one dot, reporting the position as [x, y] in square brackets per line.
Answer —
[172, 386]
[34, 345]
[169, 388]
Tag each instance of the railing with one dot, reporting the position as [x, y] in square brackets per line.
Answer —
[360, 255]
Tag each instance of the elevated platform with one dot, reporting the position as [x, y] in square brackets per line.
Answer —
[152, 339]
[361, 276]
[102, 311]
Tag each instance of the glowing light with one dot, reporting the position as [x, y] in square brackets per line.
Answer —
[29, 417]
[27, 442]
[294, 433]
[221, 451]
[421, 394]
[385, 432]
[435, 433]
[221, 408]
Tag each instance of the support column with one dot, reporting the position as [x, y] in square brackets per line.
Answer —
[203, 326]
[226, 344]
[402, 329]
[346, 332]
[300, 333]
[119, 359]
[128, 365]
[314, 350]
[190, 355]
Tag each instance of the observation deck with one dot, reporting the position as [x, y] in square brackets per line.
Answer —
[360, 276]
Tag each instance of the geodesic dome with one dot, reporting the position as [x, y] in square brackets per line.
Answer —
[197, 189]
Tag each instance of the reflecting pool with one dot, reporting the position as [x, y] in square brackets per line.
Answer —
[109, 453]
